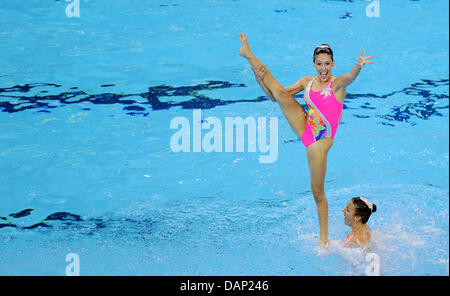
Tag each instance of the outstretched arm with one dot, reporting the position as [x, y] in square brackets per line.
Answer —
[346, 79]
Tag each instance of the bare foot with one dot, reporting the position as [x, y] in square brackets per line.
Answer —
[244, 51]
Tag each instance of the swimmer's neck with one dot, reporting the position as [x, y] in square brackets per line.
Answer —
[359, 226]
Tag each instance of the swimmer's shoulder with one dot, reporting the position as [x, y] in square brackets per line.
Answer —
[362, 238]
[305, 80]
[300, 85]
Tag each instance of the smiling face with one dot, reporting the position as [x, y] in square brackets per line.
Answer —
[349, 214]
[323, 64]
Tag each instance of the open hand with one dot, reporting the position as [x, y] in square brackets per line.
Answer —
[363, 60]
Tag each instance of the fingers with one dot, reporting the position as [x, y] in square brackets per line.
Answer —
[262, 68]
[362, 63]
[361, 53]
[366, 61]
[259, 72]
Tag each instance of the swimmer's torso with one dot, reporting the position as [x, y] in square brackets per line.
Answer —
[324, 114]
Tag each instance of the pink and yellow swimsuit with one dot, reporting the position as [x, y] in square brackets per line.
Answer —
[324, 114]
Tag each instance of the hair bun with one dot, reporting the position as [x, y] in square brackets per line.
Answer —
[374, 208]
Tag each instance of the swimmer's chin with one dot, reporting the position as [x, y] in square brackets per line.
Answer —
[323, 78]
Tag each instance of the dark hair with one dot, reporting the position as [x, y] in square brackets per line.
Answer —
[362, 210]
[323, 48]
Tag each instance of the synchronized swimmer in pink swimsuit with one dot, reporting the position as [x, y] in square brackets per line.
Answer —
[324, 113]
[324, 95]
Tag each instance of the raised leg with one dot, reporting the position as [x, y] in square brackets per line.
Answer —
[292, 110]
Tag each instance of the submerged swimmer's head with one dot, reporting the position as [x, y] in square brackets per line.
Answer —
[323, 61]
[358, 210]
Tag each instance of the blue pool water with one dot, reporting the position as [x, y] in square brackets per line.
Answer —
[85, 136]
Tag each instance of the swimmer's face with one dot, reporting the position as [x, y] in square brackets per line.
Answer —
[323, 65]
[349, 214]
